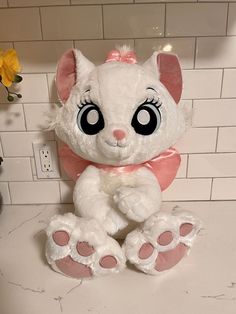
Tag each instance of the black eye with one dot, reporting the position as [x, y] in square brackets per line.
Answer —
[90, 119]
[147, 118]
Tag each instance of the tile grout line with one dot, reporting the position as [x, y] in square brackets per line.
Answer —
[9, 191]
[186, 99]
[103, 29]
[122, 38]
[48, 180]
[217, 138]
[117, 4]
[227, 20]
[164, 201]
[195, 54]
[165, 14]
[187, 166]
[222, 83]
[196, 70]
[182, 153]
[48, 88]
[24, 115]
[3, 155]
[211, 191]
[40, 20]
[60, 192]
[31, 167]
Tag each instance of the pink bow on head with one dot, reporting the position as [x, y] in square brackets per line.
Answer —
[127, 56]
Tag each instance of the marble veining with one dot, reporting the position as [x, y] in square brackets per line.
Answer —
[205, 281]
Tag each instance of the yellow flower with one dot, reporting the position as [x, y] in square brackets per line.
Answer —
[9, 66]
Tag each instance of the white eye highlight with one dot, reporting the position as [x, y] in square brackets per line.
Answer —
[143, 117]
[93, 116]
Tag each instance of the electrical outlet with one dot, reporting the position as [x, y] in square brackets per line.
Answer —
[46, 160]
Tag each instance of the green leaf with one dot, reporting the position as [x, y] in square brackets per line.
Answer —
[18, 78]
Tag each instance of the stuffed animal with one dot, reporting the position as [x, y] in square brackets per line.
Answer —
[119, 121]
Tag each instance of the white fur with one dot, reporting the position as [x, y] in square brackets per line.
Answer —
[118, 202]
[84, 230]
[151, 230]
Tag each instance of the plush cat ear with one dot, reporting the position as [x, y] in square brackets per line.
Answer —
[72, 68]
[169, 72]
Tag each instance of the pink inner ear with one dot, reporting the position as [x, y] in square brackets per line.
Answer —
[170, 74]
[66, 75]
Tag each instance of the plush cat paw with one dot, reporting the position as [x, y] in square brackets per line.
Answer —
[79, 248]
[162, 242]
[131, 202]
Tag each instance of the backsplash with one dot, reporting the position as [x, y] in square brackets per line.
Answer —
[202, 34]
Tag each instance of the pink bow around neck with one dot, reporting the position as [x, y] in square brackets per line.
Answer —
[127, 57]
[164, 166]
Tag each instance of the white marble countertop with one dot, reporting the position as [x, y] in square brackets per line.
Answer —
[203, 283]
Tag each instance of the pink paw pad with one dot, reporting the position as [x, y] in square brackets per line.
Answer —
[84, 249]
[108, 261]
[168, 259]
[185, 229]
[73, 269]
[146, 250]
[61, 237]
[165, 238]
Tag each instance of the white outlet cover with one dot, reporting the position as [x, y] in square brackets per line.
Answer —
[54, 173]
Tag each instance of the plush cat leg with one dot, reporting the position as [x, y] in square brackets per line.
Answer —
[162, 241]
[79, 248]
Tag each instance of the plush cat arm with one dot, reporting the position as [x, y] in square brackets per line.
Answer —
[140, 201]
[88, 198]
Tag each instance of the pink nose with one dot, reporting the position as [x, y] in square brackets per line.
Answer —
[119, 134]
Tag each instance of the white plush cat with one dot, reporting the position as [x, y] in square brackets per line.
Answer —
[119, 120]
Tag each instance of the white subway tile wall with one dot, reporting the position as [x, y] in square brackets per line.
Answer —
[24, 25]
[134, 20]
[66, 190]
[67, 22]
[38, 116]
[183, 167]
[196, 19]
[3, 3]
[203, 35]
[202, 84]
[35, 3]
[229, 79]
[11, 116]
[41, 56]
[5, 193]
[35, 192]
[20, 143]
[227, 139]
[216, 52]
[16, 169]
[224, 188]
[231, 30]
[183, 47]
